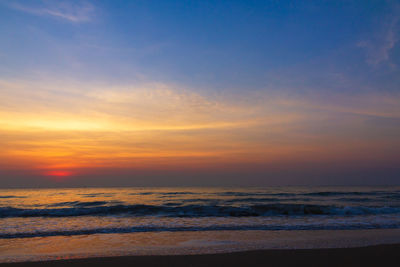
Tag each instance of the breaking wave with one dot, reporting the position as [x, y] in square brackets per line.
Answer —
[141, 229]
[98, 209]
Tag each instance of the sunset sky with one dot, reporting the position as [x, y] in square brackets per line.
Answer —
[169, 93]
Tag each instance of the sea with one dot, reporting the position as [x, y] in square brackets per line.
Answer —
[48, 224]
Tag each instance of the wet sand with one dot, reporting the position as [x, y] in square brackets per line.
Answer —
[381, 255]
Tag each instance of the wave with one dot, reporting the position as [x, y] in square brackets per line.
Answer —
[165, 193]
[339, 193]
[353, 199]
[79, 204]
[97, 195]
[249, 194]
[252, 199]
[312, 194]
[390, 194]
[394, 196]
[141, 229]
[198, 210]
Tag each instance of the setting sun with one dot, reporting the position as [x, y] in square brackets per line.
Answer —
[58, 174]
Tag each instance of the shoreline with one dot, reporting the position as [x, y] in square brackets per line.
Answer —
[377, 255]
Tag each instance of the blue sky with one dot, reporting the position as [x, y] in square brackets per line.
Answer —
[262, 83]
[206, 45]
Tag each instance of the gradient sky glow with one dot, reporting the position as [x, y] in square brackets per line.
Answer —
[159, 93]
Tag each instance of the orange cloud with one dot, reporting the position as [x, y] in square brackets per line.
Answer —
[53, 128]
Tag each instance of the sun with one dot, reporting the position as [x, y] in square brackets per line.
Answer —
[58, 175]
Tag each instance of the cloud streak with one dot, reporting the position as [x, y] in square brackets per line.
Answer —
[65, 10]
[59, 125]
[378, 48]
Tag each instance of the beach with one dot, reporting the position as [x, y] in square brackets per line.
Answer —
[381, 255]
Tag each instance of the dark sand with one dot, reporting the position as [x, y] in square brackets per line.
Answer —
[382, 255]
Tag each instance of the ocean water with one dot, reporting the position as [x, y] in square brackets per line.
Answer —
[40, 224]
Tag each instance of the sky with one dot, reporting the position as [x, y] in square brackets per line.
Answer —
[199, 93]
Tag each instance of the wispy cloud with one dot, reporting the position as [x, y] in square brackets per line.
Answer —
[54, 124]
[379, 46]
[75, 12]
